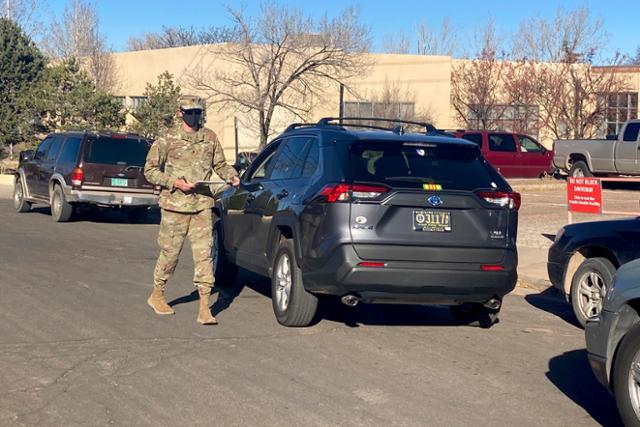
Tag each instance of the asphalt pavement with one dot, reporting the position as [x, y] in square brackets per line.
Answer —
[79, 346]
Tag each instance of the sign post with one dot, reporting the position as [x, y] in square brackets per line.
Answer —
[584, 195]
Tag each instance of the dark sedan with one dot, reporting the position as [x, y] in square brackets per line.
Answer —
[584, 258]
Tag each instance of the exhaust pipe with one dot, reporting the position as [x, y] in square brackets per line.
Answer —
[493, 304]
[350, 300]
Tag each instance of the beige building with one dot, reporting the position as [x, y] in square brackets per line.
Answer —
[420, 85]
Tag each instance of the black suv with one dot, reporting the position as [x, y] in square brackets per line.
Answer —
[72, 169]
[348, 208]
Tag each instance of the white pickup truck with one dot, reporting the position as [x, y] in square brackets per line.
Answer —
[589, 157]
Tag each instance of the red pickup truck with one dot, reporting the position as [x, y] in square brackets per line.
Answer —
[513, 155]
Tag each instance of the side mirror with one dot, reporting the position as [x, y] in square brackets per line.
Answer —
[26, 155]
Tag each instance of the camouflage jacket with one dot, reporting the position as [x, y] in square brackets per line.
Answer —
[193, 156]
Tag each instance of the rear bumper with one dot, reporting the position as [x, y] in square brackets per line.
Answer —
[105, 198]
[411, 282]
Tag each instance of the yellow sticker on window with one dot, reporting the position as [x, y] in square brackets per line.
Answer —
[433, 187]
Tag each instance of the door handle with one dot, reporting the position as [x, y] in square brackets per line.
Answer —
[281, 195]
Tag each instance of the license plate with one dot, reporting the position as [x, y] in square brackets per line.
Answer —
[119, 182]
[439, 221]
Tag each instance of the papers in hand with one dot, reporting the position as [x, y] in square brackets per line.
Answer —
[215, 182]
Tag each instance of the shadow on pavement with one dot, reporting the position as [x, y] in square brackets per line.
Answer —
[330, 308]
[571, 374]
[107, 216]
[552, 302]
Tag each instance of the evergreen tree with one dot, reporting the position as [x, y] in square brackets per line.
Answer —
[66, 98]
[156, 114]
[21, 66]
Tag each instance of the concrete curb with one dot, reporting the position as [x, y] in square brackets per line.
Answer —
[523, 188]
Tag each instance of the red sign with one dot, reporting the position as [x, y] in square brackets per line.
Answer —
[584, 195]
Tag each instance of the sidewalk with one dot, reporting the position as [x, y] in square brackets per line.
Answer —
[6, 186]
[532, 268]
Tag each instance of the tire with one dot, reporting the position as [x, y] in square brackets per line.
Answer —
[589, 286]
[625, 389]
[474, 314]
[61, 210]
[292, 304]
[224, 271]
[138, 216]
[19, 203]
[579, 170]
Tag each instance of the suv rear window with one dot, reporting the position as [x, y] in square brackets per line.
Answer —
[116, 151]
[411, 166]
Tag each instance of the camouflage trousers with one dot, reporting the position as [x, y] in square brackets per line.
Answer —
[174, 228]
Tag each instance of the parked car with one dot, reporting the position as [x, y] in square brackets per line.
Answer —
[513, 155]
[72, 169]
[371, 216]
[613, 342]
[589, 157]
[584, 258]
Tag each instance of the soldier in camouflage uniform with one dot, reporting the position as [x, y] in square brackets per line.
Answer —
[188, 153]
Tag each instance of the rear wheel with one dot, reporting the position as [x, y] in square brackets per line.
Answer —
[224, 271]
[19, 203]
[292, 304]
[589, 287]
[626, 378]
[475, 314]
[61, 210]
[580, 170]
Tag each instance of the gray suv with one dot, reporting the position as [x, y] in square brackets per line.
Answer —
[613, 342]
[348, 208]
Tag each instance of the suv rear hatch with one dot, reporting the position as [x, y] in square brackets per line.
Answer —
[423, 202]
[115, 163]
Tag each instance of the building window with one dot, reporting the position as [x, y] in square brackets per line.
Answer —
[136, 101]
[619, 107]
[391, 110]
[511, 118]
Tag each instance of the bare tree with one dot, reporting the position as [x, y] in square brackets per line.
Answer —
[26, 13]
[78, 36]
[443, 42]
[476, 84]
[569, 90]
[396, 101]
[634, 60]
[282, 61]
[571, 36]
[397, 43]
[182, 36]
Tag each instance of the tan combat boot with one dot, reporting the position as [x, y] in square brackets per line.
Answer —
[158, 303]
[204, 312]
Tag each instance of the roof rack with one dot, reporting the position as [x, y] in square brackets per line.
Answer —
[330, 121]
[293, 126]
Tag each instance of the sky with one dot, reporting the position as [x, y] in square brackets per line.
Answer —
[121, 19]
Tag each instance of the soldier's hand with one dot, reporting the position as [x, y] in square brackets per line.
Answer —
[183, 185]
[235, 181]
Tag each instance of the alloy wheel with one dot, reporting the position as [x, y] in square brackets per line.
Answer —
[283, 282]
[578, 173]
[592, 290]
[17, 195]
[634, 384]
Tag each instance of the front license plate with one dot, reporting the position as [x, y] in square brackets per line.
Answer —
[439, 221]
[119, 182]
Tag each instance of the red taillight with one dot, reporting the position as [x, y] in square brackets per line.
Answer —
[372, 264]
[343, 192]
[501, 198]
[489, 267]
[77, 176]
